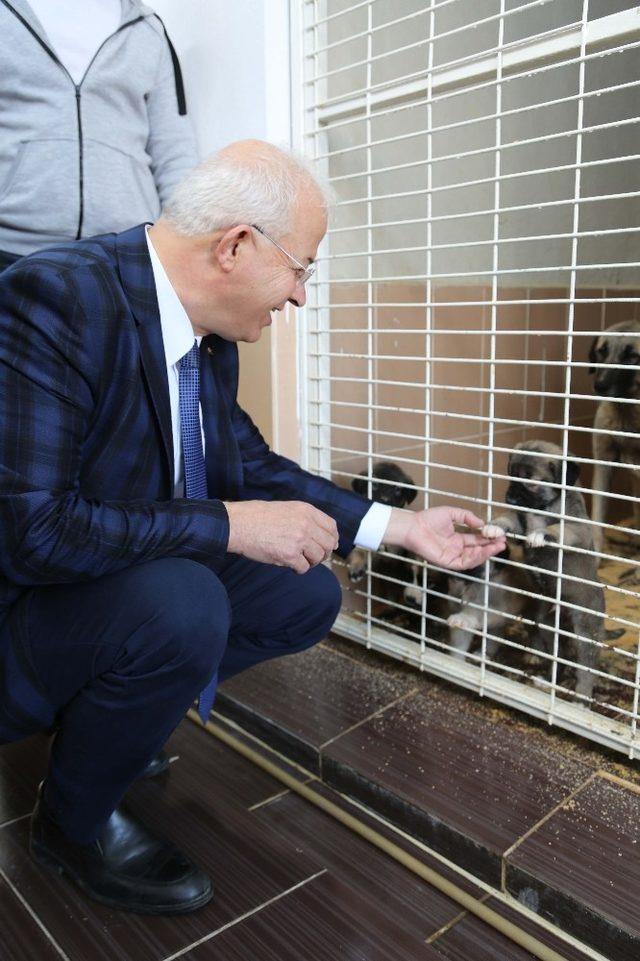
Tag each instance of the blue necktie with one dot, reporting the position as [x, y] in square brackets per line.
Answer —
[195, 476]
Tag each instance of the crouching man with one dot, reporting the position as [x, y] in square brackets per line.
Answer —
[151, 545]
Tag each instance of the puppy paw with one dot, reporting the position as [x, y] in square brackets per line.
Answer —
[412, 596]
[536, 539]
[492, 531]
[356, 566]
[461, 621]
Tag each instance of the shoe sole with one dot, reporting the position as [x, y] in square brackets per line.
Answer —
[50, 861]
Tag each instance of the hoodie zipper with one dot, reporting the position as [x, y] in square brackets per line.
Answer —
[78, 92]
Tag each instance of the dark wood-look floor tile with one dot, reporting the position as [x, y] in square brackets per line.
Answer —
[207, 765]
[471, 938]
[324, 920]
[22, 767]
[21, 938]
[300, 702]
[581, 869]
[407, 844]
[255, 744]
[204, 816]
[420, 908]
[447, 774]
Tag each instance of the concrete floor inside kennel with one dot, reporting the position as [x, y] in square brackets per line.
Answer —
[545, 818]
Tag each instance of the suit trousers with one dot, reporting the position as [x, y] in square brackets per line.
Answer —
[114, 663]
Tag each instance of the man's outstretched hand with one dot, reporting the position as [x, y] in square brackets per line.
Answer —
[431, 534]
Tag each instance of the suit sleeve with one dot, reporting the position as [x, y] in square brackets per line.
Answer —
[270, 476]
[50, 533]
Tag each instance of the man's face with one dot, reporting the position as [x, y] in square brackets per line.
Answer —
[265, 279]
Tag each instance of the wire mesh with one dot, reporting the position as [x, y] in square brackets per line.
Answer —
[478, 291]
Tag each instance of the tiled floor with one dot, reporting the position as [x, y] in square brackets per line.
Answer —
[584, 861]
[449, 777]
[291, 883]
[526, 809]
[326, 695]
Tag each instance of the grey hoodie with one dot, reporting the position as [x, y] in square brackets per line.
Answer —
[97, 157]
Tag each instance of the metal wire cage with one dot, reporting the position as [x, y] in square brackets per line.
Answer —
[484, 155]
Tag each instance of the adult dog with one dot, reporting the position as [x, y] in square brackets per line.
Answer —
[620, 420]
[534, 468]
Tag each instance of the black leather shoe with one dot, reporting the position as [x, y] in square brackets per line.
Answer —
[127, 867]
[158, 764]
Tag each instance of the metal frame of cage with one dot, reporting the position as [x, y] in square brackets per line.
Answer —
[576, 43]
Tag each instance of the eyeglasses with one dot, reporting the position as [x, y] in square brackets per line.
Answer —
[306, 271]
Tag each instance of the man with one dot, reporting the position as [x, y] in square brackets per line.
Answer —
[121, 599]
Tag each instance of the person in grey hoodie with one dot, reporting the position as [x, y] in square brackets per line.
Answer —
[94, 133]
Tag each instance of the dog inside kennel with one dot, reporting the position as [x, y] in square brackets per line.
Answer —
[475, 335]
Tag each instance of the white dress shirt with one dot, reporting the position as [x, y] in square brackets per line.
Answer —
[77, 28]
[178, 337]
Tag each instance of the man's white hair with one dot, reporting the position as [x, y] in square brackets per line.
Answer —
[251, 182]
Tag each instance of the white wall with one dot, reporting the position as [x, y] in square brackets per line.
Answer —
[235, 63]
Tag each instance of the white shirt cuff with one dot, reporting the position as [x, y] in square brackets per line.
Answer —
[373, 526]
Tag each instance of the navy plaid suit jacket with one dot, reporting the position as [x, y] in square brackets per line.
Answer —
[86, 451]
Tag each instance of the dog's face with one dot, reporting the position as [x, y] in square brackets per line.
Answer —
[622, 349]
[532, 474]
[386, 492]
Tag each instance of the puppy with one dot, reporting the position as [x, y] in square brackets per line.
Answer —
[505, 604]
[529, 493]
[389, 485]
[622, 419]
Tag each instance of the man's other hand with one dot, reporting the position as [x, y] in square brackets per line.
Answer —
[285, 533]
[432, 535]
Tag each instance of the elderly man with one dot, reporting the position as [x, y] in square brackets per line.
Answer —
[152, 544]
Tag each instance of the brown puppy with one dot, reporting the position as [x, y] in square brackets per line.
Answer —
[623, 419]
[530, 493]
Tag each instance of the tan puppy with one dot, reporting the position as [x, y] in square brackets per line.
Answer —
[624, 419]
[529, 494]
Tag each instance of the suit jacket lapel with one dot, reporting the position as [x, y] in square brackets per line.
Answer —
[137, 280]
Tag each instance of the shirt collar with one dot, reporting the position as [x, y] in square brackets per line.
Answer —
[177, 332]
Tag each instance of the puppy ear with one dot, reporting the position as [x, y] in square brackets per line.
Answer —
[359, 484]
[573, 472]
[592, 355]
[410, 491]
